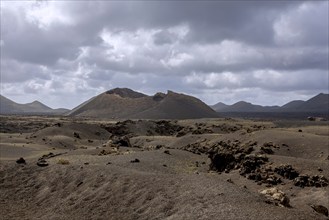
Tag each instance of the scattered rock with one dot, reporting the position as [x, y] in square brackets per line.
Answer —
[195, 148]
[320, 209]
[277, 196]
[181, 133]
[167, 152]
[108, 163]
[266, 150]
[251, 162]
[47, 156]
[86, 163]
[42, 163]
[165, 128]
[229, 180]
[76, 135]
[42, 160]
[79, 184]
[159, 146]
[120, 128]
[110, 150]
[311, 181]
[58, 124]
[221, 161]
[135, 161]
[226, 128]
[262, 177]
[50, 155]
[130, 128]
[286, 171]
[121, 141]
[202, 131]
[234, 155]
[270, 145]
[21, 161]
[300, 130]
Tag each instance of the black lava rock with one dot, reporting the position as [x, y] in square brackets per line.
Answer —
[21, 161]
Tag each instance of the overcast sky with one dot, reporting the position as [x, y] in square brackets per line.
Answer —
[265, 52]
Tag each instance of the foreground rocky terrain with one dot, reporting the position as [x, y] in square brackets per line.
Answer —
[81, 168]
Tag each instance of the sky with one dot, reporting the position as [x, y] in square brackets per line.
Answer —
[65, 52]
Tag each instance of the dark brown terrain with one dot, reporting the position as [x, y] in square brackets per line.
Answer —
[83, 168]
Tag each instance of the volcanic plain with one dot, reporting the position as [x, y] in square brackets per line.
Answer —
[222, 168]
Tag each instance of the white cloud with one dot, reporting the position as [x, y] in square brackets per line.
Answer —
[267, 76]
[227, 52]
[177, 59]
[302, 26]
[47, 13]
[213, 80]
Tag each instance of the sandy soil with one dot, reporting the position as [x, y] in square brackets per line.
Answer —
[160, 169]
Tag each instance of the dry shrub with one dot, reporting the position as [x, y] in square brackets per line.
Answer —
[63, 162]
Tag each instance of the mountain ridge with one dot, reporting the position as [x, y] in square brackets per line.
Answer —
[318, 103]
[127, 103]
[8, 106]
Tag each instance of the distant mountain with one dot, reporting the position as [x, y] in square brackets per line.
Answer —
[37, 106]
[219, 106]
[248, 107]
[319, 103]
[8, 106]
[292, 105]
[126, 103]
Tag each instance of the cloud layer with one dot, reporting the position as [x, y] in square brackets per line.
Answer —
[63, 53]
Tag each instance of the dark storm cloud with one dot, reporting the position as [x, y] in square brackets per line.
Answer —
[163, 37]
[202, 47]
[210, 21]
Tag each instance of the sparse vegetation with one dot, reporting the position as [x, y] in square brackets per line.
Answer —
[63, 161]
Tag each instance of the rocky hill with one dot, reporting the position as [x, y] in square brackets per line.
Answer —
[126, 103]
[319, 103]
[219, 106]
